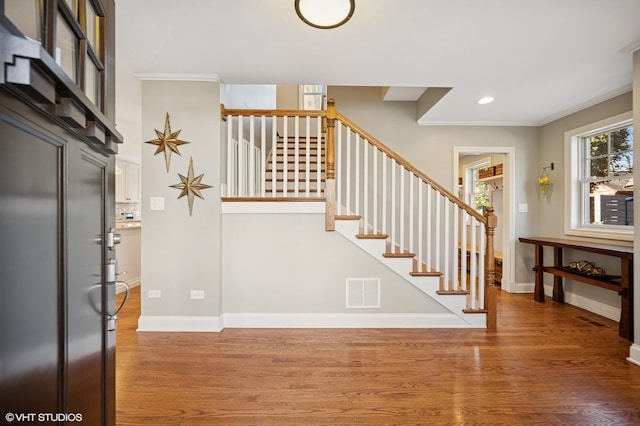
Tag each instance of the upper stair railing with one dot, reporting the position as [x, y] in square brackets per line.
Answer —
[322, 155]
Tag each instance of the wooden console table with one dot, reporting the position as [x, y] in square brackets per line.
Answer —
[622, 285]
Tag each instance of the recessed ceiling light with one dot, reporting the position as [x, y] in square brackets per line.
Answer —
[486, 100]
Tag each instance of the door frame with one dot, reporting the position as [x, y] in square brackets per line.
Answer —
[508, 219]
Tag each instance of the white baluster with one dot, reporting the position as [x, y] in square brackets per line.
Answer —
[412, 178]
[447, 239]
[357, 176]
[429, 211]
[274, 156]
[401, 219]
[349, 166]
[454, 248]
[463, 250]
[319, 157]
[365, 186]
[307, 159]
[420, 221]
[375, 190]
[438, 226]
[230, 163]
[252, 164]
[285, 154]
[263, 156]
[393, 206]
[241, 158]
[339, 205]
[473, 261]
[385, 184]
[481, 260]
[296, 153]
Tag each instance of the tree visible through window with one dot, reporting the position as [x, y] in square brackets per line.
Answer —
[607, 177]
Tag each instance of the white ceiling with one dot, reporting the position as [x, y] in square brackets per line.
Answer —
[540, 59]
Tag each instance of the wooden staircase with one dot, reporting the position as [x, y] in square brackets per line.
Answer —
[373, 197]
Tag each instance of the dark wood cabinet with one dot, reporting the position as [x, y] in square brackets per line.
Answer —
[57, 162]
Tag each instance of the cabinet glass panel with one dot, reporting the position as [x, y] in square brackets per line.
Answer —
[66, 48]
[27, 16]
[92, 26]
[91, 80]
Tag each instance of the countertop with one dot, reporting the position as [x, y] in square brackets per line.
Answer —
[128, 224]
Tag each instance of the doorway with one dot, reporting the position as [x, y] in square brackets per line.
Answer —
[500, 195]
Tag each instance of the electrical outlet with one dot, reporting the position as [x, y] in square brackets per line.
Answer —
[154, 294]
[197, 294]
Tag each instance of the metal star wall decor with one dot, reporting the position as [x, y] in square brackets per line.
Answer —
[167, 142]
[190, 186]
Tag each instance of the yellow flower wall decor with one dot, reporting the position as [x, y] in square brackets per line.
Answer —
[544, 180]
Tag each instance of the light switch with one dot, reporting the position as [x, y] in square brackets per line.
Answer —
[523, 208]
[156, 203]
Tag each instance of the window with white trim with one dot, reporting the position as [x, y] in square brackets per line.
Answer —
[599, 179]
[478, 192]
[311, 96]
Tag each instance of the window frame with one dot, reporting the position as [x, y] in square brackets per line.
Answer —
[470, 182]
[575, 163]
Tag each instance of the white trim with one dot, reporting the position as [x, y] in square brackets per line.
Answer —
[177, 77]
[634, 354]
[591, 305]
[508, 205]
[274, 207]
[573, 196]
[179, 323]
[248, 320]
[523, 287]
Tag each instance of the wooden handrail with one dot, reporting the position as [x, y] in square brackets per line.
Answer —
[382, 147]
[224, 112]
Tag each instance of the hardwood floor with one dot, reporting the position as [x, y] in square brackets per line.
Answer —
[546, 364]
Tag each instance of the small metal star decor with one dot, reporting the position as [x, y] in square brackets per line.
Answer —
[190, 186]
[167, 142]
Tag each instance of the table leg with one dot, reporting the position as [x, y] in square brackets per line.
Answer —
[626, 303]
[538, 291]
[558, 290]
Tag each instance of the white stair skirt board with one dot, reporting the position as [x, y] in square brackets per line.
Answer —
[179, 323]
[634, 354]
[274, 207]
[345, 321]
[402, 266]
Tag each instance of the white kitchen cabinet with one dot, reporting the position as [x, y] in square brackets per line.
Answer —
[127, 182]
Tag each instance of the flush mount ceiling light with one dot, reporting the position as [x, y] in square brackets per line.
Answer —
[325, 14]
[485, 100]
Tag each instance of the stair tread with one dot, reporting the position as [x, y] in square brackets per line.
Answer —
[348, 217]
[425, 274]
[372, 236]
[452, 292]
[399, 255]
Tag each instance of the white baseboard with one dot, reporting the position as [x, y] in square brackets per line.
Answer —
[524, 287]
[345, 321]
[179, 323]
[591, 305]
[133, 282]
[634, 354]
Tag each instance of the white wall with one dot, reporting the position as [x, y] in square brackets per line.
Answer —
[552, 207]
[288, 263]
[180, 252]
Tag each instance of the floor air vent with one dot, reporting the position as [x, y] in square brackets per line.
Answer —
[363, 292]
